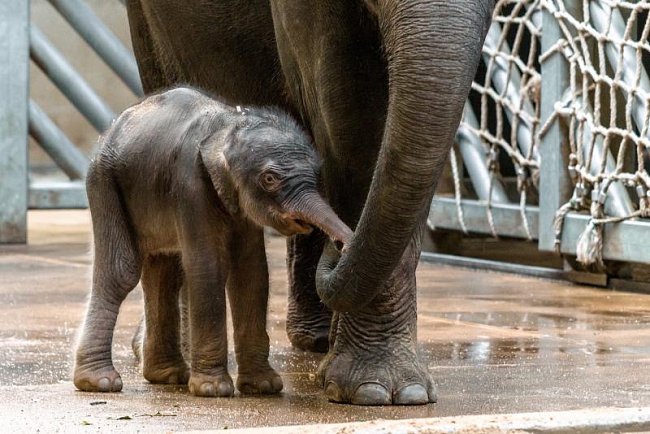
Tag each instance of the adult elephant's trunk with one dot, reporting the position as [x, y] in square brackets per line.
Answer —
[432, 49]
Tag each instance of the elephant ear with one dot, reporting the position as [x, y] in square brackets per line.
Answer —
[212, 151]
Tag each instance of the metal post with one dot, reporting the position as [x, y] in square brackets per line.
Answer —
[601, 15]
[14, 90]
[56, 143]
[507, 81]
[102, 40]
[555, 184]
[618, 202]
[68, 80]
[475, 159]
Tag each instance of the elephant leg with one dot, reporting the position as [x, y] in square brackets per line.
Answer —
[150, 66]
[373, 359]
[381, 86]
[116, 271]
[308, 319]
[206, 274]
[248, 293]
[93, 368]
[137, 342]
[162, 361]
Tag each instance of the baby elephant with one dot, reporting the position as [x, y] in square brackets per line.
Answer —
[178, 194]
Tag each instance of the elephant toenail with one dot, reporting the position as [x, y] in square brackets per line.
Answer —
[117, 384]
[104, 385]
[412, 394]
[207, 389]
[225, 389]
[277, 384]
[333, 392]
[371, 394]
[265, 387]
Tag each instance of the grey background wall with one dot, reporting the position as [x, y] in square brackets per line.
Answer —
[88, 64]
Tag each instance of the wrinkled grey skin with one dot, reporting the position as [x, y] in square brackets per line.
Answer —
[380, 85]
[178, 194]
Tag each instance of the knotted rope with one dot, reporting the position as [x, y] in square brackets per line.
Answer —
[605, 53]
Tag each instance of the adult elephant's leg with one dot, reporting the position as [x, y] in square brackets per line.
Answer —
[308, 319]
[373, 359]
[345, 117]
[431, 51]
[150, 67]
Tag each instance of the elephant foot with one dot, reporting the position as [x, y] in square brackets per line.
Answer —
[376, 381]
[177, 372]
[211, 385]
[382, 379]
[309, 330]
[104, 379]
[308, 319]
[263, 382]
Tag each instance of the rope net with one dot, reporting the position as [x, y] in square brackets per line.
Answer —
[497, 136]
[604, 112]
[605, 44]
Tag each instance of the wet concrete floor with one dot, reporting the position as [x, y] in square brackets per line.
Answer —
[495, 343]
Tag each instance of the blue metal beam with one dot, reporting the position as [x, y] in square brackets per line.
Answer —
[102, 40]
[68, 80]
[56, 144]
[14, 90]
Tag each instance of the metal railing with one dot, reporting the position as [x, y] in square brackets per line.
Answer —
[14, 58]
[555, 133]
[20, 115]
[500, 119]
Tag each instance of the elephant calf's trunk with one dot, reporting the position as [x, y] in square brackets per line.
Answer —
[313, 209]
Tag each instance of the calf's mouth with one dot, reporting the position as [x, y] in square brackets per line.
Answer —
[294, 226]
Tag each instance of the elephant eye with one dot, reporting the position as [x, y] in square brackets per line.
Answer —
[270, 181]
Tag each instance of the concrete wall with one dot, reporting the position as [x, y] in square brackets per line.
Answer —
[88, 64]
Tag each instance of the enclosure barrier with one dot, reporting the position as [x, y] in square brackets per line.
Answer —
[21, 41]
[554, 139]
[552, 146]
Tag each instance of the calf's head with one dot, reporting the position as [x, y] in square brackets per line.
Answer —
[265, 166]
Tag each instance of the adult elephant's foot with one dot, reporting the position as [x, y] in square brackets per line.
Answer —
[97, 379]
[265, 381]
[308, 319]
[308, 326]
[383, 378]
[217, 384]
[373, 358]
[160, 372]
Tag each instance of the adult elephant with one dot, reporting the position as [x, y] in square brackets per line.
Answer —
[380, 84]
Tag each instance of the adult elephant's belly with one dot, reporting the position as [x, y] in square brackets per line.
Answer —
[226, 47]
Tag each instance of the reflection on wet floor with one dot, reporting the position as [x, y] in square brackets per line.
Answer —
[494, 343]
